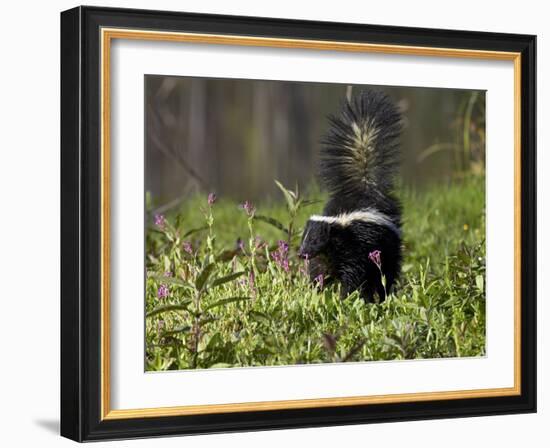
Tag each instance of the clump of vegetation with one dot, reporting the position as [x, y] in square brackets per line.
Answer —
[220, 296]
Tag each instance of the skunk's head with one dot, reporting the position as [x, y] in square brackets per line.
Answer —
[315, 239]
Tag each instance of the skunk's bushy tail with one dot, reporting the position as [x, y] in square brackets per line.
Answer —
[360, 151]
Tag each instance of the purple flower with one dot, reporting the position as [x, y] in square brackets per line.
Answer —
[374, 256]
[248, 208]
[280, 256]
[212, 198]
[286, 267]
[283, 247]
[167, 274]
[160, 221]
[162, 291]
[187, 247]
[320, 279]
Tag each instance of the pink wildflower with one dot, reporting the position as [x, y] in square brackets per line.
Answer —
[320, 279]
[212, 198]
[187, 247]
[160, 221]
[248, 208]
[162, 291]
[374, 256]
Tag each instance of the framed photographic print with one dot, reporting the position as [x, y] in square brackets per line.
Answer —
[276, 224]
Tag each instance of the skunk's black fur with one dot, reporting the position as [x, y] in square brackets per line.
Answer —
[359, 159]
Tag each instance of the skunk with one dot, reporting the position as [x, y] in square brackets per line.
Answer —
[357, 239]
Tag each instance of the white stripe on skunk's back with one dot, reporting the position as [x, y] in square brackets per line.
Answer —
[366, 215]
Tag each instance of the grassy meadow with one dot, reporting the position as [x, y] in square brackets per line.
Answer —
[225, 288]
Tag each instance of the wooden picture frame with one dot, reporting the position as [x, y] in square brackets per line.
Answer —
[86, 36]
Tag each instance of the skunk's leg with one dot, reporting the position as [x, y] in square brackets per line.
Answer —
[350, 280]
[368, 292]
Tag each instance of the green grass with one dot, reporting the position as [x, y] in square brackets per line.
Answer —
[228, 307]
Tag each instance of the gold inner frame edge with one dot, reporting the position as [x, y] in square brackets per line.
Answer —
[107, 35]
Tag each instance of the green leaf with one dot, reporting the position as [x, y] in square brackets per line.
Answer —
[271, 221]
[225, 302]
[227, 278]
[166, 308]
[289, 195]
[258, 315]
[192, 231]
[166, 262]
[479, 282]
[203, 276]
[180, 329]
[215, 340]
[169, 280]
